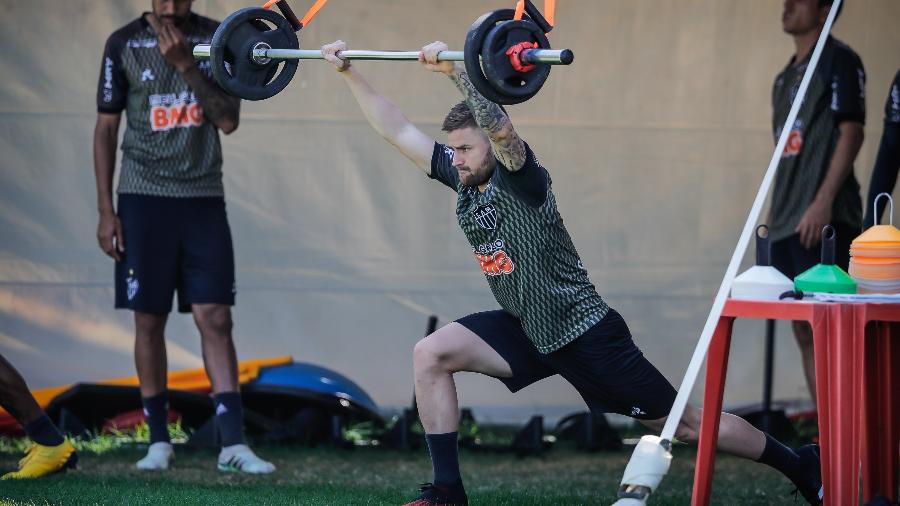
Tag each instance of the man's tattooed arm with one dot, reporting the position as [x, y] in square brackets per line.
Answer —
[508, 147]
[219, 107]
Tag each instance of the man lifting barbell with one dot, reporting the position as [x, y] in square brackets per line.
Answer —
[552, 319]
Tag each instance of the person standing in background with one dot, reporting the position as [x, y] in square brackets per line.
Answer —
[815, 185]
[884, 175]
[169, 232]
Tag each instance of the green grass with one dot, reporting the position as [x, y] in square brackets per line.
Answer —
[325, 476]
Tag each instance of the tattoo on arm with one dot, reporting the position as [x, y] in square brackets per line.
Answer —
[508, 147]
[219, 107]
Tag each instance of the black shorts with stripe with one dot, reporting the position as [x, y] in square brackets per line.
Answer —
[603, 364]
[173, 245]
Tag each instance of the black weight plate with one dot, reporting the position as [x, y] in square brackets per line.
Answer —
[496, 64]
[230, 53]
[472, 53]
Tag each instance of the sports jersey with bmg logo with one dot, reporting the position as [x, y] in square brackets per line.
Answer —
[836, 93]
[520, 243]
[169, 149]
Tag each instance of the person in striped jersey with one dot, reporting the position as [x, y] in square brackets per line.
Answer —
[552, 320]
[815, 184]
[170, 212]
[887, 163]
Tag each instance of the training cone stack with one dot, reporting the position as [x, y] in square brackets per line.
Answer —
[875, 256]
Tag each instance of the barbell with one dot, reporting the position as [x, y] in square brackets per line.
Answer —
[255, 52]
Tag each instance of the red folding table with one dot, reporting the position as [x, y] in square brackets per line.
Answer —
[851, 354]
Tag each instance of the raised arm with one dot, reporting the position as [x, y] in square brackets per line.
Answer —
[508, 147]
[385, 117]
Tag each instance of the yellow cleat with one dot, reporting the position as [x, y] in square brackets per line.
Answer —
[42, 460]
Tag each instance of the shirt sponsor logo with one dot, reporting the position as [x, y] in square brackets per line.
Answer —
[861, 81]
[895, 102]
[835, 95]
[836, 90]
[795, 141]
[495, 264]
[107, 79]
[149, 42]
[486, 216]
[175, 110]
[142, 43]
[492, 259]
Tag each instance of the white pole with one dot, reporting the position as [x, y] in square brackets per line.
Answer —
[657, 463]
[690, 377]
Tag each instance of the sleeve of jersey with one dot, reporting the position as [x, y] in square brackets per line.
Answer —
[848, 84]
[442, 168]
[530, 183]
[892, 106]
[112, 87]
[884, 174]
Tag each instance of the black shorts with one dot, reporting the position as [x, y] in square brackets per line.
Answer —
[603, 364]
[792, 259]
[174, 244]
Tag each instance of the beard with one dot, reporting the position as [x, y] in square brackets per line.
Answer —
[481, 174]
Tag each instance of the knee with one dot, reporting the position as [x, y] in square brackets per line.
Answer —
[428, 357]
[214, 322]
[149, 327]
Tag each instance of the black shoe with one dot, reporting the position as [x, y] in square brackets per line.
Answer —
[809, 475]
[439, 494]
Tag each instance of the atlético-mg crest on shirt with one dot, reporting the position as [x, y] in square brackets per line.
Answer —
[486, 216]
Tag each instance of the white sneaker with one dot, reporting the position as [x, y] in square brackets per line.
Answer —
[241, 459]
[159, 455]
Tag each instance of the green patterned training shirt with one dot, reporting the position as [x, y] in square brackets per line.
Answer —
[836, 93]
[523, 249]
[169, 148]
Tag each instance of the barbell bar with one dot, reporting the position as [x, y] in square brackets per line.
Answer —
[254, 54]
[262, 55]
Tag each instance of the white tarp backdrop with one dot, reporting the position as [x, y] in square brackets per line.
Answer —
[656, 139]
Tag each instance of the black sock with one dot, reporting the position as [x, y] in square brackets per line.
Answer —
[229, 417]
[42, 431]
[780, 457]
[156, 410]
[444, 450]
